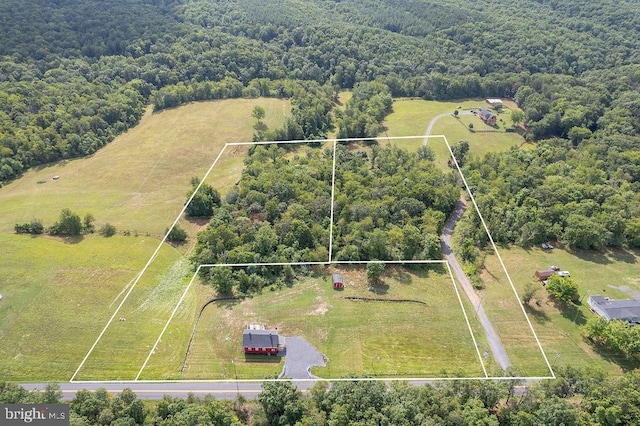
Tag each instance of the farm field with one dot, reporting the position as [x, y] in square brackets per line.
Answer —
[613, 274]
[411, 117]
[365, 338]
[57, 294]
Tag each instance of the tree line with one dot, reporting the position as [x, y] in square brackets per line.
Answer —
[576, 397]
[73, 75]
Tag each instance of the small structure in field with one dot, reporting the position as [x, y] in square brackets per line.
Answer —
[261, 341]
[627, 310]
[338, 282]
[544, 274]
[487, 116]
[495, 103]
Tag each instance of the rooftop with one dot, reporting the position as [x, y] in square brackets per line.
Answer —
[260, 338]
[624, 310]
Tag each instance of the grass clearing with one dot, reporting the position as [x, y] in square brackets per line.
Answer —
[559, 330]
[57, 296]
[377, 339]
[411, 117]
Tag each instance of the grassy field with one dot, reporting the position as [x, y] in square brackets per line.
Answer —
[381, 339]
[139, 181]
[613, 274]
[58, 295]
[411, 117]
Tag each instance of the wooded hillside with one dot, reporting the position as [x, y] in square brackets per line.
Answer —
[75, 73]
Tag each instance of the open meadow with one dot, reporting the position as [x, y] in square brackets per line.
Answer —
[58, 294]
[411, 117]
[613, 274]
[426, 337]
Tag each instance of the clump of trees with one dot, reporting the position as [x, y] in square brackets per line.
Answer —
[176, 234]
[602, 400]
[615, 335]
[69, 224]
[204, 200]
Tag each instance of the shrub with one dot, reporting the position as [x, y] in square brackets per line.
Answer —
[107, 230]
[177, 234]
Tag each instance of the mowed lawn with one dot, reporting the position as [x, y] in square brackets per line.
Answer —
[613, 274]
[57, 295]
[411, 117]
[365, 338]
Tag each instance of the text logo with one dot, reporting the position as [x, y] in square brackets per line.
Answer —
[34, 414]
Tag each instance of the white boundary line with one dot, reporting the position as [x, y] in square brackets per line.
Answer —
[351, 262]
[333, 192]
[466, 318]
[495, 249]
[151, 259]
[388, 139]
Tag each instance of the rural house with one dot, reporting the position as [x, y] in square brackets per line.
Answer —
[258, 340]
[338, 282]
[487, 116]
[624, 310]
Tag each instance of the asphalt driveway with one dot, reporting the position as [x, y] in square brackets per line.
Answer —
[300, 356]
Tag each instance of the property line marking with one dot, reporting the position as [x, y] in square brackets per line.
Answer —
[495, 248]
[151, 259]
[173, 313]
[335, 141]
[466, 318]
[333, 190]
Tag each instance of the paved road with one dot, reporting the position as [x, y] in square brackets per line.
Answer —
[495, 344]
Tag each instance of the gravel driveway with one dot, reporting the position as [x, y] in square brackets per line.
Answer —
[299, 358]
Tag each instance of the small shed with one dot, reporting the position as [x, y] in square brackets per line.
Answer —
[338, 282]
[494, 102]
[544, 274]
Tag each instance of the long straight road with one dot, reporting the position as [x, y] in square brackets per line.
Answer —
[495, 344]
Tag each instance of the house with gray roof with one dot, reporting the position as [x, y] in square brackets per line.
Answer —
[487, 116]
[264, 341]
[627, 310]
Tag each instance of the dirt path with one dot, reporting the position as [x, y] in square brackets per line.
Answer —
[495, 344]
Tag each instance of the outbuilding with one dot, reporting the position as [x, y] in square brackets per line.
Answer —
[338, 282]
[544, 274]
[495, 103]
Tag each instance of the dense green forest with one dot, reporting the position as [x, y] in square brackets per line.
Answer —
[576, 397]
[76, 73]
[390, 205]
